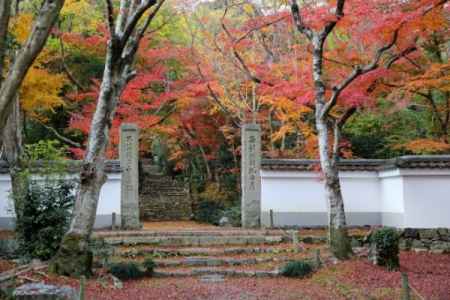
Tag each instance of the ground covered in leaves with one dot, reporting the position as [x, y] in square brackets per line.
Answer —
[429, 276]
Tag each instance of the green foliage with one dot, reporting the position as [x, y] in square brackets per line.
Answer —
[149, 266]
[44, 216]
[234, 215]
[299, 268]
[43, 200]
[126, 270]
[209, 212]
[386, 241]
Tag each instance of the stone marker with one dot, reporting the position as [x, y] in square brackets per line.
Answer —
[42, 291]
[129, 158]
[250, 174]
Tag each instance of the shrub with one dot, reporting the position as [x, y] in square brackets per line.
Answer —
[234, 215]
[43, 214]
[42, 198]
[149, 266]
[209, 212]
[385, 248]
[299, 268]
[126, 270]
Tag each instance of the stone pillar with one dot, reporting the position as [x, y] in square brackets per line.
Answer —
[250, 175]
[129, 159]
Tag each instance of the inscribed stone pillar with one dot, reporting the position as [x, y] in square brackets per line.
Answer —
[129, 156]
[250, 175]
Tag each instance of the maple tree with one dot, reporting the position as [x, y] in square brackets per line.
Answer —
[336, 98]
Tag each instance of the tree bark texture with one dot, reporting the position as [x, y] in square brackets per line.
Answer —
[125, 36]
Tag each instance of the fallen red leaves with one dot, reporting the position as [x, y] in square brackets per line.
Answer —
[429, 274]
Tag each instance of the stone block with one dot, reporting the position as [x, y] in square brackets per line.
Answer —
[429, 234]
[42, 291]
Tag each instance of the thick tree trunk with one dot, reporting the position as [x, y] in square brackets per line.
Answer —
[338, 239]
[12, 146]
[74, 256]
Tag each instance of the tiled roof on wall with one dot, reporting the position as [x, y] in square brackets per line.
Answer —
[73, 166]
[402, 162]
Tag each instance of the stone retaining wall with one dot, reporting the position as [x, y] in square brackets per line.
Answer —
[433, 240]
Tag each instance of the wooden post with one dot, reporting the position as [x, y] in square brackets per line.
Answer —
[406, 295]
[271, 218]
[317, 259]
[82, 287]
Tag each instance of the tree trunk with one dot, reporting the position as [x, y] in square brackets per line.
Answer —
[74, 256]
[338, 239]
[47, 16]
[12, 146]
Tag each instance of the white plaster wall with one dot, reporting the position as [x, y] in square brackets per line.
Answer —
[392, 198]
[361, 191]
[5, 203]
[109, 201]
[304, 191]
[288, 191]
[110, 196]
[427, 198]
[299, 197]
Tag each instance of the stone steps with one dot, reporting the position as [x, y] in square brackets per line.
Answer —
[203, 251]
[207, 240]
[215, 262]
[214, 232]
[231, 272]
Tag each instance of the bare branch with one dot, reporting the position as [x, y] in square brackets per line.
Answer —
[61, 137]
[257, 28]
[237, 55]
[110, 17]
[301, 27]
[357, 72]
[400, 55]
[66, 68]
[134, 19]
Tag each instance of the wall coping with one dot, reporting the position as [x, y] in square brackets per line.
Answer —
[73, 166]
[402, 162]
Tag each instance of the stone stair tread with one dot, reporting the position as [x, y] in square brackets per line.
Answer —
[208, 251]
[236, 272]
[204, 240]
[216, 261]
[211, 232]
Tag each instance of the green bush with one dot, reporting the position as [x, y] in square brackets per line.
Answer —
[149, 266]
[126, 270]
[209, 212]
[43, 213]
[234, 215]
[299, 268]
[385, 244]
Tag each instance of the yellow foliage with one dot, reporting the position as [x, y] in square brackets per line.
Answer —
[40, 91]
[81, 15]
[425, 146]
[21, 27]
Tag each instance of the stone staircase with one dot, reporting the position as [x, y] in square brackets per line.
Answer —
[230, 252]
[162, 198]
